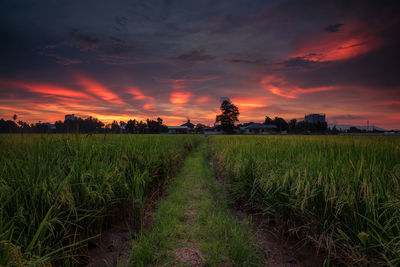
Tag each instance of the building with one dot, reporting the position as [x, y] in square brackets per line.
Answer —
[46, 125]
[177, 129]
[189, 125]
[70, 117]
[259, 128]
[216, 129]
[315, 118]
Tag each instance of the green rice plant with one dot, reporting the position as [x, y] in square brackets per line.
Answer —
[342, 191]
[57, 191]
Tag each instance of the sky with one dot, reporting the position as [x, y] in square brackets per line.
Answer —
[175, 59]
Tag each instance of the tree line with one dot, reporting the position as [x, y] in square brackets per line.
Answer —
[81, 125]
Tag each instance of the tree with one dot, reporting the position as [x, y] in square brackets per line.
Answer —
[334, 130]
[229, 115]
[8, 126]
[23, 126]
[132, 126]
[354, 130]
[281, 124]
[155, 126]
[268, 120]
[115, 127]
[292, 125]
[15, 117]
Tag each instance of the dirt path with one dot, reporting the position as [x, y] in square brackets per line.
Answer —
[195, 225]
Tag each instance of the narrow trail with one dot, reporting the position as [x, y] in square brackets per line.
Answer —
[193, 225]
[197, 225]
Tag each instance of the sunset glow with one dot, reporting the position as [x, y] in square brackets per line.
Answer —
[98, 90]
[180, 97]
[271, 59]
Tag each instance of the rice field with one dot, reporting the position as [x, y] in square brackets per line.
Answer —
[58, 191]
[340, 192]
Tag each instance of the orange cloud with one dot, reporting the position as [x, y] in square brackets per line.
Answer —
[14, 109]
[49, 89]
[277, 91]
[137, 94]
[246, 102]
[58, 91]
[110, 118]
[280, 87]
[352, 40]
[180, 97]
[203, 99]
[314, 89]
[335, 50]
[98, 89]
[148, 106]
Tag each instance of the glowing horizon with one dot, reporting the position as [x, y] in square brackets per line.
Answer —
[270, 59]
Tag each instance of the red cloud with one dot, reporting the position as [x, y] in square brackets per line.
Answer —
[249, 102]
[203, 99]
[148, 106]
[49, 90]
[137, 94]
[280, 87]
[98, 89]
[353, 39]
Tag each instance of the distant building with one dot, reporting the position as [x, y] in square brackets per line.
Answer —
[315, 118]
[199, 128]
[259, 128]
[70, 117]
[49, 126]
[216, 129]
[189, 125]
[177, 129]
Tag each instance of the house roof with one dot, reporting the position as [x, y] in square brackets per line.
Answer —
[261, 126]
[188, 124]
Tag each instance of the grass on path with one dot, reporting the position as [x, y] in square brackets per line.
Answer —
[192, 226]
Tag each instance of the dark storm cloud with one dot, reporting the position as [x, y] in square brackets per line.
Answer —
[121, 21]
[300, 62]
[62, 60]
[84, 40]
[20, 53]
[333, 28]
[196, 55]
[247, 61]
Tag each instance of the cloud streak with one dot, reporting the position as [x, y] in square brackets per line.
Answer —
[97, 89]
[175, 60]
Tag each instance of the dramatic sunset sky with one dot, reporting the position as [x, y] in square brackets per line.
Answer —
[125, 59]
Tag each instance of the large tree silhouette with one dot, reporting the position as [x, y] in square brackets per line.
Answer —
[229, 114]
